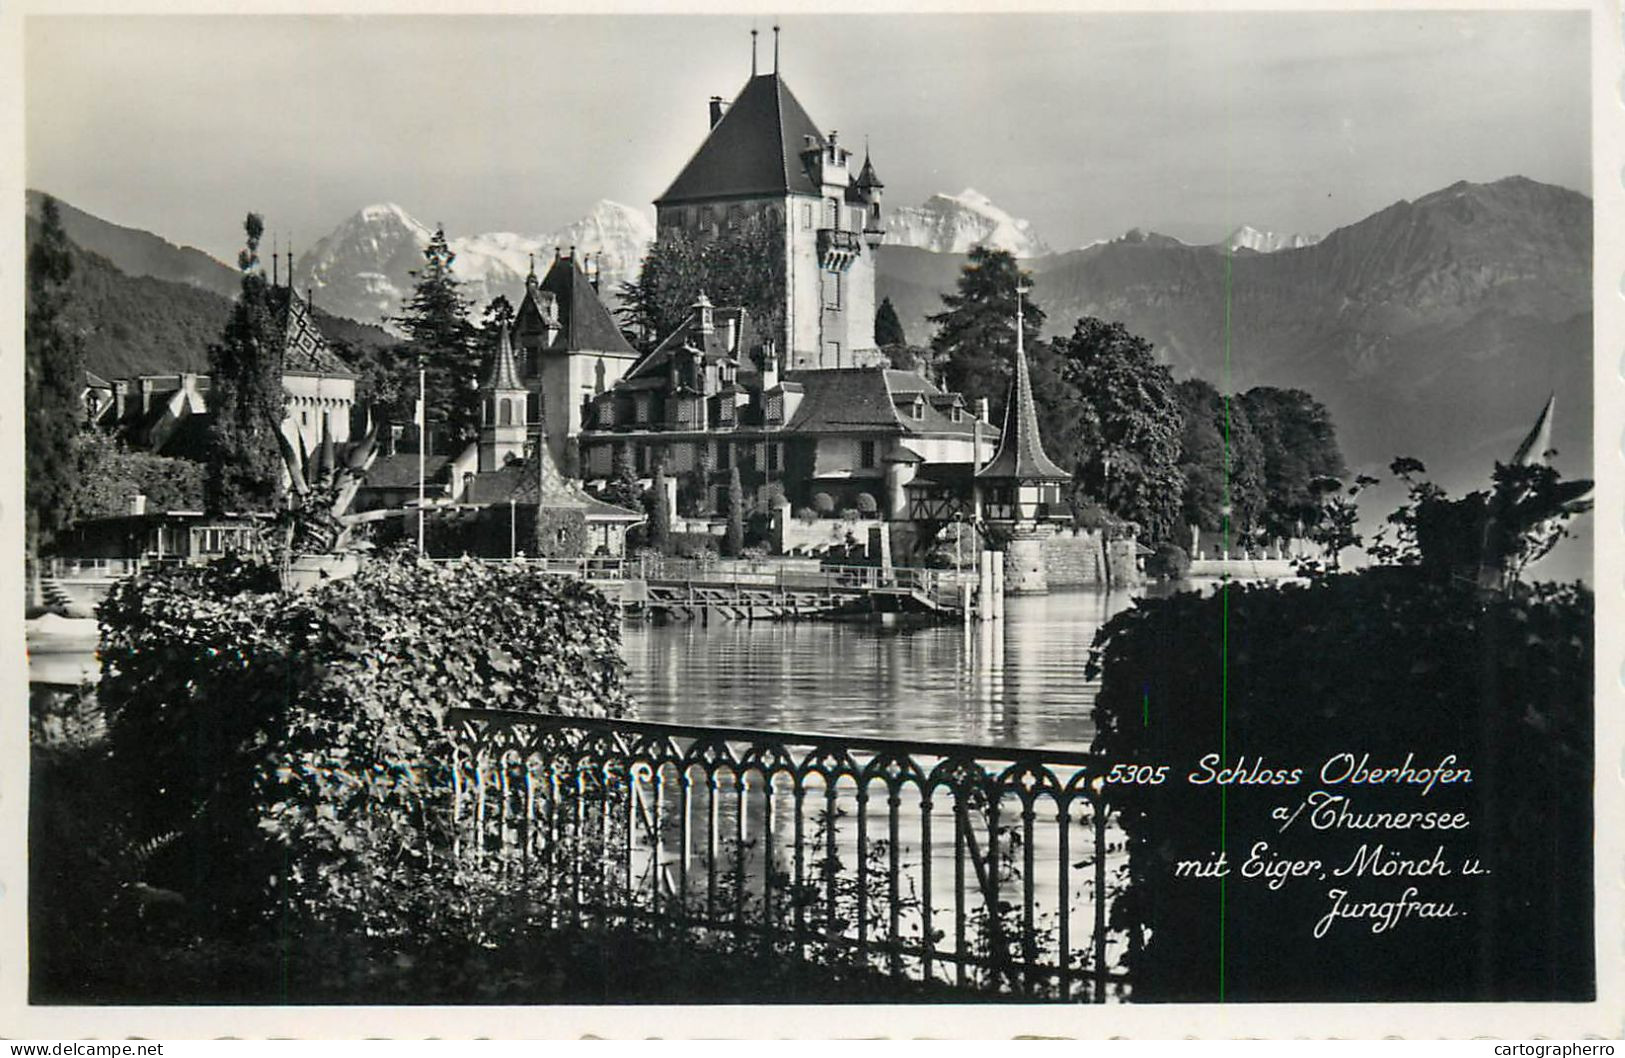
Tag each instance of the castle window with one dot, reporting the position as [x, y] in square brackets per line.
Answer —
[918, 408]
[642, 412]
[832, 291]
[958, 413]
[724, 455]
[806, 215]
[775, 408]
[506, 413]
[832, 214]
[773, 456]
[866, 455]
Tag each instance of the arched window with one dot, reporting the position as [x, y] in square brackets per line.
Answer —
[506, 413]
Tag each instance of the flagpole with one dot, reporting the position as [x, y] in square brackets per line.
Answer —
[423, 422]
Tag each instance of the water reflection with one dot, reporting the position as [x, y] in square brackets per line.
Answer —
[1015, 682]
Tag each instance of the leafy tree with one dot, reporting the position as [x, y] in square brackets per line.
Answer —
[975, 333]
[444, 341]
[735, 540]
[1128, 426]
[1488, 538]
[498, 312]
[741, 266]
[622, 487]
[52, 377]
[1335, 527]
[1299, 445]
[888, 328]
[107, 473]
[1221, 460]
[246, 399]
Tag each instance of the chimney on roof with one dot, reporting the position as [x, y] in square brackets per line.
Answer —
[716, 110]
[770, 366]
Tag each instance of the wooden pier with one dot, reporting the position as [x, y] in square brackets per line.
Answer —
[765, 592]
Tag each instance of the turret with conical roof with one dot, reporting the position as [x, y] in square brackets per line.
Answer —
[503, 398]
[1020, 480]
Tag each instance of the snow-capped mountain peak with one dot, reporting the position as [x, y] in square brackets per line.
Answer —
[1248, 237]
[363, 268]
[956, 223]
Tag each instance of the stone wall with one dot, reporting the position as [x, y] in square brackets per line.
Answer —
[1076, 559]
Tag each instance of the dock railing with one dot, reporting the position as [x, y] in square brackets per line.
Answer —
[939, 584]
[979, 866]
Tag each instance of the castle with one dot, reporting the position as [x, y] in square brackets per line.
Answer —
[764, 161]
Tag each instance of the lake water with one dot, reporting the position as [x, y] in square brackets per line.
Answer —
[1016, 682]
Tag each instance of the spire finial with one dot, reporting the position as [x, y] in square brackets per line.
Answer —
[775, 47]
[753, 51]
[276, 261]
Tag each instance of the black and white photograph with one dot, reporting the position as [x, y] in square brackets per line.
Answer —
[1086, 512]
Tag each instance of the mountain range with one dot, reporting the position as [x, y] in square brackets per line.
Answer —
[1433, 328]
[363, 268]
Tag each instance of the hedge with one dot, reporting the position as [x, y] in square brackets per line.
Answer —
[288, 750]
[1382, 663]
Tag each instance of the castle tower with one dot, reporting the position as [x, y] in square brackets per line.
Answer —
[1020, 487]
[502, 409]
[570, 351]
[764, 162]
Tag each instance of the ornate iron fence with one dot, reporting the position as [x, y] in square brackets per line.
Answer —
[980, 866]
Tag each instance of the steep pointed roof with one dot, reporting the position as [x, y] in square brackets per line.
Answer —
[504, 373]
[867, 179]
[585, 324]
[305, 350]
[1534, 447]
[1021, 449]
[754, 150]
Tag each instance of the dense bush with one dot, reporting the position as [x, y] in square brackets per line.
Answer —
[692, 545]
[824, 504]
[290, 749]
[866, 504]
[1380, 662]
[1169, 560]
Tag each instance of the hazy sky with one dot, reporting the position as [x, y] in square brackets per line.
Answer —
[1085, 124]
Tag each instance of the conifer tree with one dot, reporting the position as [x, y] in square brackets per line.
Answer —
[735, 540]
[888, 328]
[53, 373]
[436, 319]
[659, 515]
[976, 333]
[246, 401]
